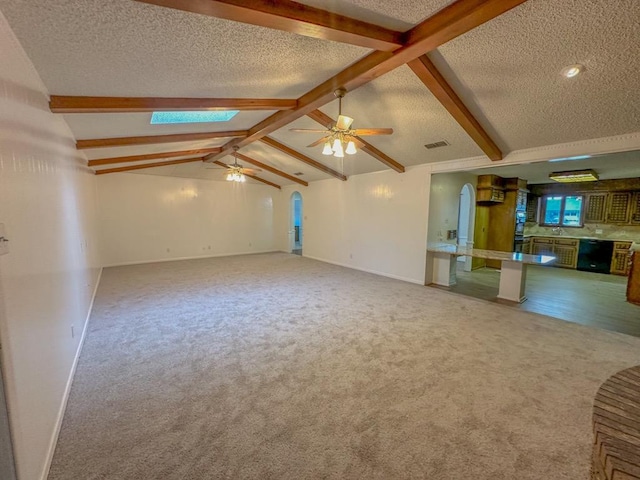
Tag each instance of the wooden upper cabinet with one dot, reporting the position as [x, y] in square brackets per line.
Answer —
[596, 207]
[532, 208]
[635, 209]
[619, 207]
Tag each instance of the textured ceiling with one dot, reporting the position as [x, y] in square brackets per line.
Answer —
[506, 71]
[509, 69]
[126, 48]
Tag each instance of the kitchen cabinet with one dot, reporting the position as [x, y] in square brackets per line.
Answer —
[566, 252]
[502, 218]
[633, 283]
[526, 246]
[635, 209]
[532, 208]
[490, 189]
[619, 207]
[620, 258]
[595, 207]
[542, 246]
[564, 249]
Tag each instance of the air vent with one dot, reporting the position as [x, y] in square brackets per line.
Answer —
[297, 174]
[441, 143]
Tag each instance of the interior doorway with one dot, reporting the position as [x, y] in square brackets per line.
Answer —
[466, 221]
[295, 232]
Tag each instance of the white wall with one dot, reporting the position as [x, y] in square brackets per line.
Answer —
[145, 218]
[445, 201]
[47, 203]
[375, 222]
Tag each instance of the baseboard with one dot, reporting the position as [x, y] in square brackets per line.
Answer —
[375, 272]
[196, 257]
[67, 389]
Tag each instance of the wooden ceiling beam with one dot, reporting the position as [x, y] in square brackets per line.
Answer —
[266, 182]
[269, 168]
[69, 104]
[428, 73]
[151, 156]
[447, 24]
[293, 17]
[147, 165]
[325, 120]
[151, 139]
[272, 142]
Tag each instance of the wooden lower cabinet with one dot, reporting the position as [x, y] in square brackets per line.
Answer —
[526, 246]
[564, 249]
[541, 246]
[620, 258]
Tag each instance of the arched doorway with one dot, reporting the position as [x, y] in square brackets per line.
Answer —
[295, 232]
[466, 221]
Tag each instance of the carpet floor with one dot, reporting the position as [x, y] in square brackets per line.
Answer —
[276, 366]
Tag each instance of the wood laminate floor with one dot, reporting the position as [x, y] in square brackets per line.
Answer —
[593, 299]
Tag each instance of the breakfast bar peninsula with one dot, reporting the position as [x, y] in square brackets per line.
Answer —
[441, 267]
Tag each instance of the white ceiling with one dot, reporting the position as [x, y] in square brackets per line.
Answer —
[506, 71]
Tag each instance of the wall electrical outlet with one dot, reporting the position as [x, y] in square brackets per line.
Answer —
[4, 241]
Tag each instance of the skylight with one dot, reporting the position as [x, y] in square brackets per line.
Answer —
[159, 118]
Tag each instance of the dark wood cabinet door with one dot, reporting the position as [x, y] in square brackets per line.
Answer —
[596, 207]
[618, 207]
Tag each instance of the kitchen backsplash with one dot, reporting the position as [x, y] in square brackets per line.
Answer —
[609, 232]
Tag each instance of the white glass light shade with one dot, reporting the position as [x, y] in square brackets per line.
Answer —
[327, 148]
[351, 148]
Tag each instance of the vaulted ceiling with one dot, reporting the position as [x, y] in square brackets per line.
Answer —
[482, 75]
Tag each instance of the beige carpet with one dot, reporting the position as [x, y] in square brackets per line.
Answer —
[279, 367]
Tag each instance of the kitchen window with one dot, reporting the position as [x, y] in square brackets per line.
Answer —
[562, 210]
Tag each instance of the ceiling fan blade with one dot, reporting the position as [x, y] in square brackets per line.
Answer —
[307, 130]
[344, 122]
[373, 131]
[319, 141]
[251, 171]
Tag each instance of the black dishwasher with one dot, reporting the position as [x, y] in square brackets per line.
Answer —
[595, 255]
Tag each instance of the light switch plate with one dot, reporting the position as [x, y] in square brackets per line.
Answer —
[4, 241]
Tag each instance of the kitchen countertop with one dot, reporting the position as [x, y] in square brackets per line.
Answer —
[576, 237]
[456, 250]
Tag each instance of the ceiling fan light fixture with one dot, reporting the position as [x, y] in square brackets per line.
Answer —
[351, 148]
[337, 145]
[344, 122]
[338, 152]
[327, 150]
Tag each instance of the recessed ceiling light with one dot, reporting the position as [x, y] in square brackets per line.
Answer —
[192, 117]
[572, 70]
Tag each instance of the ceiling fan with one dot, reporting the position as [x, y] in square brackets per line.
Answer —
[340, 138]
[236, 172]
